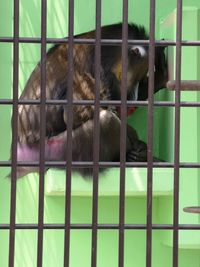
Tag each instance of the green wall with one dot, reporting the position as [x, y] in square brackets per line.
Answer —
[135, 205]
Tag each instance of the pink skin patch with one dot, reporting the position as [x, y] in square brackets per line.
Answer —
[54, 150]
[56, 146]
[27, 153]
[54, 142]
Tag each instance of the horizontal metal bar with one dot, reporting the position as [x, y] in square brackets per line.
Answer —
[92, 41]
[185, 85]
[81, 164]
[75, 102]
[102, 164]
[101, 226]
[103, 103]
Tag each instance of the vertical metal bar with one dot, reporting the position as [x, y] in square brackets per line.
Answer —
[14, 133]
[70, 73]
[177, 132]
[42, 134]
[123, 132]
[150, 134]
[96, 133]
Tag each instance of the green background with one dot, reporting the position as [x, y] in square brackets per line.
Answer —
[108, 210]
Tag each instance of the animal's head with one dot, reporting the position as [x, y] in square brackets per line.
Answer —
[137, 69]
[138, 62]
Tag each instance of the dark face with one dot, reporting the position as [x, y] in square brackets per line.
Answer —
[160, 75]
[137, 69]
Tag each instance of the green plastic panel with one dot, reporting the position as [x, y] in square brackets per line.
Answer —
[136, 183]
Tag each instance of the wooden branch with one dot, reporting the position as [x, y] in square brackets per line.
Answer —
[186, 85]
[192, 209]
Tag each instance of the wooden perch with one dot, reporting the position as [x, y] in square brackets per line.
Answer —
[186, 85]
[192, 209]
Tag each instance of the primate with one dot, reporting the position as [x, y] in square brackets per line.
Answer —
[83, 89]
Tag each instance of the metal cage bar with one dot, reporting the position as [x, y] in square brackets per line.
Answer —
[177, 133]
[150, 135]
[123, 112]
[103, 41]
[14, 134]
[68, 163]
[103, 164]
[103, 103]
[56, 226]
[42, 133]
[96, 135]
